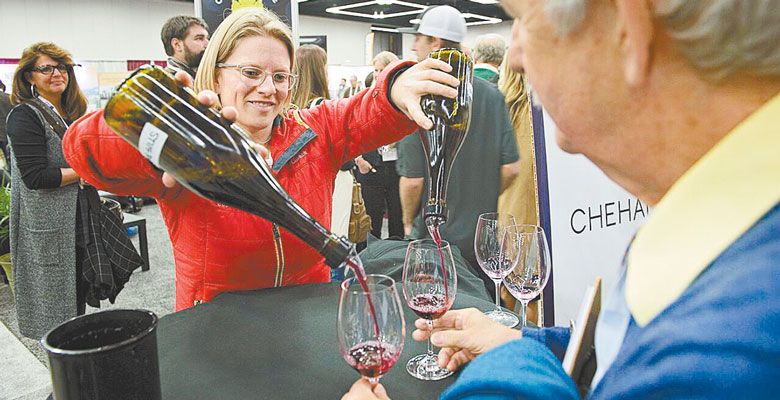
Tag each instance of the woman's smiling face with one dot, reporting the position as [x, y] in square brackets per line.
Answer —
[258, 101]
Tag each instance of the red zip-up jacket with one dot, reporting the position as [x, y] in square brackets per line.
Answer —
[217, 248]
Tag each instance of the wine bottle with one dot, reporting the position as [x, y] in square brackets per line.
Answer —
[441, 143]
[210, 156]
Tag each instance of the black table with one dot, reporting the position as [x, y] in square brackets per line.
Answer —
[276, 343]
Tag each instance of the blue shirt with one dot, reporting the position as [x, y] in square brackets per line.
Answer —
[719, 340]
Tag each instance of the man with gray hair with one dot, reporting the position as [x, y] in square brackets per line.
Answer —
[185, 39]
[488, 54]
[678, 101]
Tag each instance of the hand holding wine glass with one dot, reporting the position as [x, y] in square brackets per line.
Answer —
[371, 335]
[363, 390]
[530, 275]
[430, 285]
[463, 335]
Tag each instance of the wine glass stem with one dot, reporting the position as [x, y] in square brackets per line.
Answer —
[498, 295]
[430, 346]
[523, 306]
[373, 381]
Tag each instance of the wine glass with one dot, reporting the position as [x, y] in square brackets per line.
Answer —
[530, 275]
[429, 284]
[496, 248]
[371, 327]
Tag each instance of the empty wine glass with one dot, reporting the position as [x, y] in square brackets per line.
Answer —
[429, 284]
[529, 277]
[371, 333]
[496, 249]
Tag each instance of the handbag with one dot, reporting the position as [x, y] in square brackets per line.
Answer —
[359, 221]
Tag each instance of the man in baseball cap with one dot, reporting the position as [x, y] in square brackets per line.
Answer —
[486, 164]
[440, 27]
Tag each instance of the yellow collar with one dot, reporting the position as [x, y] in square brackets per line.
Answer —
[704, 212]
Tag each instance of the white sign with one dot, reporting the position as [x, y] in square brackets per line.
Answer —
[591, 221]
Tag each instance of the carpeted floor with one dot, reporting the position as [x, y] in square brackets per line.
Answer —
[152, 290]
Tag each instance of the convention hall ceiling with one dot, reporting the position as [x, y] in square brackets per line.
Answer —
[399, 13]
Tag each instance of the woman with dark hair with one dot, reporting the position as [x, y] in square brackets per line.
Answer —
[44, 190]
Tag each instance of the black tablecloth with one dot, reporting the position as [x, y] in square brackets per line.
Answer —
[274, 344]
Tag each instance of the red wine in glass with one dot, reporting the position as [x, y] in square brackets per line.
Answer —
[372, 359]
[429, 306]
[429, 285]
[370, 342]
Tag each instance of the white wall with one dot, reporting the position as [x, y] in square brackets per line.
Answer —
[89, 29]
[346, 39]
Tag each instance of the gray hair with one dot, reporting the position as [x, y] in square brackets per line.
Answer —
[490, 49]
[719, 37]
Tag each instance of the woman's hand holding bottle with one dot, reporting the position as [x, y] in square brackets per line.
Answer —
[426, 77]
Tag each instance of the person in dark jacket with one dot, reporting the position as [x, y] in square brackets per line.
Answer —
[377, 176]
[45, 248]
[5, 108]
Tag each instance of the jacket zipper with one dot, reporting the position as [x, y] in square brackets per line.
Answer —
[279, 251]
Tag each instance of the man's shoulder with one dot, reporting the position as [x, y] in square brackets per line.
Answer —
[483, 88]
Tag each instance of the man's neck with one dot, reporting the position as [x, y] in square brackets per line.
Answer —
[177, 63]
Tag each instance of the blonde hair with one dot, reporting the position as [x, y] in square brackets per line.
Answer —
[243, 23]
[310, 66]
[384, 58]
[74, 103]
[514, 88]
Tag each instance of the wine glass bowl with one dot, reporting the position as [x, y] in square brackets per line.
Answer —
[370, 346]
[496, 248]
[532, 271]
[430, 283]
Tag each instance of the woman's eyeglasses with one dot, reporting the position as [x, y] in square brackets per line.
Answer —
[282, 80]
[49, 69]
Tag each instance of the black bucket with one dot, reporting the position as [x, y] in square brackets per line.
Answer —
[106, 355]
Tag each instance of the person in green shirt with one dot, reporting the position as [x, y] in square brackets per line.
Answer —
[488, 54]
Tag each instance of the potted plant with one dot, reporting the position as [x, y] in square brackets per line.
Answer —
[5, 246]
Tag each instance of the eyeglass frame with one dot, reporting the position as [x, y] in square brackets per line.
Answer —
[291, 78]
[63, 68]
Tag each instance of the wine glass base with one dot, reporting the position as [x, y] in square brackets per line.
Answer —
[426, 368]
[503, 317]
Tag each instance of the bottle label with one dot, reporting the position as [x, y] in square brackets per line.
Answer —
[151, 143]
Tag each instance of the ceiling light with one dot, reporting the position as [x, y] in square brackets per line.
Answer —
[483, 20]
[344, 10]
[485, 1]
[383, 29]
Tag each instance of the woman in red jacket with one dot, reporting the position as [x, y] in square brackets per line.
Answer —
[247, 65]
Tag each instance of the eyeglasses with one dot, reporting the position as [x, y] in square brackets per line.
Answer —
[282, 80]
[49, 69]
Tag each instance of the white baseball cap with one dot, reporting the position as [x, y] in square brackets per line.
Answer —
[444, 22]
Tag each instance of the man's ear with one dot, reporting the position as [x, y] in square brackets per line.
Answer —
[635, 27]
[176, 45]
[436, 42]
